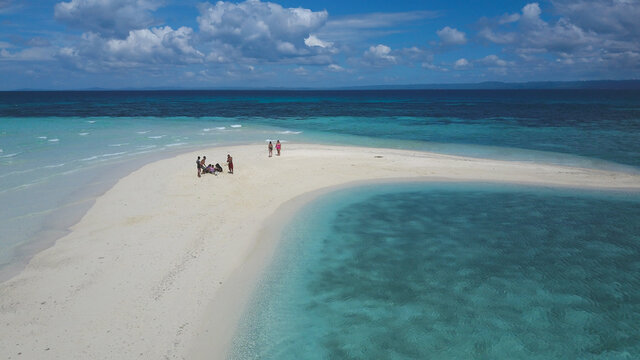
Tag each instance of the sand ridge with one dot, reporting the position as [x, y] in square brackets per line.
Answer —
[137, 276]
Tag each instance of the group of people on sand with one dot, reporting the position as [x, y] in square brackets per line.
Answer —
[278, 148]
[212, 169]
[215, 169]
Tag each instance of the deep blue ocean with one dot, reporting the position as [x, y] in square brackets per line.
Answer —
[597, 124]
[469, 271]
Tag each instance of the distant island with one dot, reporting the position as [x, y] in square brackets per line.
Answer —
[487, 85]
[497, 85]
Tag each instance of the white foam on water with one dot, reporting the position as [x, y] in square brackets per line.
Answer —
[18, 172]
[15, 188]
[83, 134]
[156, 137]
[54, 166]
[89, 158]
[114, 154]
[54, 140]
[143, 132]
[143, 147]
[236, 126]
[142, 152]
[175, 144]
[91, 121]
[70, 171]
[221, 128]
[206, 129]
[290, 132]
[42, 137]
[119, 144]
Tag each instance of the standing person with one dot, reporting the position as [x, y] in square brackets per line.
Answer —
[203, 162]
[199, 165]
[230, 163]
[278, 147]
[270, 149]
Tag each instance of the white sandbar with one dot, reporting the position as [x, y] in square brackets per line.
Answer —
[152, 269]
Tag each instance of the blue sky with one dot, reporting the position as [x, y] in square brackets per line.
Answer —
[194, 44]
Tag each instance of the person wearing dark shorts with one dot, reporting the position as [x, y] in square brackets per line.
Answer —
[199, 165]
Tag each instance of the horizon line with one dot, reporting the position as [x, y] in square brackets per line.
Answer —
[486, 85]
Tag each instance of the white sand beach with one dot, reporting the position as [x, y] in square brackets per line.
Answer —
[161, 266]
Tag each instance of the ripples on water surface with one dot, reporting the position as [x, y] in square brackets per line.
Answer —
[53, 145]
[453, 272]
[604, 124]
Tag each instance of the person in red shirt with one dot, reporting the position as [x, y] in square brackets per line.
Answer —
[230, 163]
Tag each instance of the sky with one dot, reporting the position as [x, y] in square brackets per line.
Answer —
[116, 44]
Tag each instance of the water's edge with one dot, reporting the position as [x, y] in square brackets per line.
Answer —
[59, 223]
[225, 313]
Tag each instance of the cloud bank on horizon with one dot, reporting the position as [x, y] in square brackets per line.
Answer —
[254, 43]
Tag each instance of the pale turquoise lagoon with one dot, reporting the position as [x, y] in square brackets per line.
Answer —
[452, 271]
[426, 271]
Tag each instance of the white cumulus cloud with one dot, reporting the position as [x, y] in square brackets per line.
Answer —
[262, 30]
[509, 18]
[603, 33]
[155, 44]
[379, 55]
[493, 60]
[28, 54]
[431, 66]
[582, 37]
[335, 68]
[161, 45]
[451, 36]
[615, 17]
[461, 63]
[535, 32]
[107, 17]
[313, 40]
[531, 12]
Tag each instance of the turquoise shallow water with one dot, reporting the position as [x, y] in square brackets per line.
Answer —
[436, 272]
[47, 163]
[50, 164]
[61, 149]
[450, 271]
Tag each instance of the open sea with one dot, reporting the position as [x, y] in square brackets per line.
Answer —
[437, 271]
